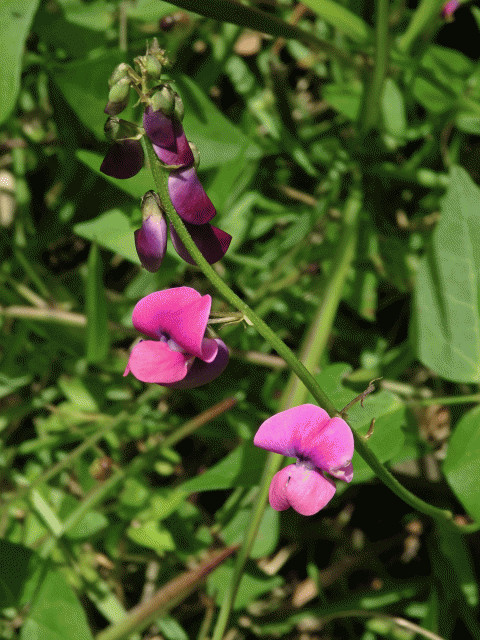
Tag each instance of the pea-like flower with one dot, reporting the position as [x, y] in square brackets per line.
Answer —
[168, 138]
[177, 354]
[320, 444]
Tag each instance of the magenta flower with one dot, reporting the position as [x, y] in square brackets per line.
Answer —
[321, 445]
[449, 9]
[177, 353]
[168, 138]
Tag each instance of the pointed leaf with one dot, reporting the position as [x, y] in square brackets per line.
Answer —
[446, 321]
[15, 19]
[96, 309]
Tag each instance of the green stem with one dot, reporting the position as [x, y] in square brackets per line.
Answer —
[160, 176]
[373, 94]
[296, 392]
[426, 11]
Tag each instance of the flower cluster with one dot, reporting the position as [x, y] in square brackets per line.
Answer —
[162, 124]
[320, 444]
[177, 354]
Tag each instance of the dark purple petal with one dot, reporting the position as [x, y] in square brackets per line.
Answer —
[189, 198]
[158, 127]
[151, 242]
[124, 159]
[169, 141]
[212, 242]
[202, 372]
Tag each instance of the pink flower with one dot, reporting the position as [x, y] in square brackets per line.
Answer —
[449, 9]
[177, 354]
[321, 444]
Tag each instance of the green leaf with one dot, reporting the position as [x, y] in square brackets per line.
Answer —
[136, 186]
[454, 547]
[251, 586]
[56, 613]
[266, 539]
[462, 464]
[433, 97]
[342, 19]
[216, 137]
[15, 20]
[446, 322]
[96, 309]
[468, 123]
[346, 99]
[149, 10]
[15, 570]
[88, 525]
[153, 536]
[393, 109]
[111, 230]
[241, 468]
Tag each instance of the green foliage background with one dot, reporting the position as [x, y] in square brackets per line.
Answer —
[112, 489]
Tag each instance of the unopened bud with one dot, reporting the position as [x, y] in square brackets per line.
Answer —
[119, 91]
[179, 109]
[151, 238]
[151, 205]
[163, 100]
[118, 129]
[153, 67]
[121, 71]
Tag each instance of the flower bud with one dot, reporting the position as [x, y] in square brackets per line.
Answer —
[151, 238]
[118, 97]
[179, 108]
[119, 91]
[118, 129]
[153, 67]
[121, 71]
[163, 100]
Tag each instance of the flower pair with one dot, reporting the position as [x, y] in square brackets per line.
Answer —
[177, 354]
[320, 444]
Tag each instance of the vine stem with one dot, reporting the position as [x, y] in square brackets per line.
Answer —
[295, 393]
[160, 175]
[424, 13]
[292, 392]
[373, 93]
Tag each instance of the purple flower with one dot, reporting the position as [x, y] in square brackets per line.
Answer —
[151, 242]
[168, 138]
[321, 445]
[177, 354]
[188, 196]
[212, 242]
[124, 159]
